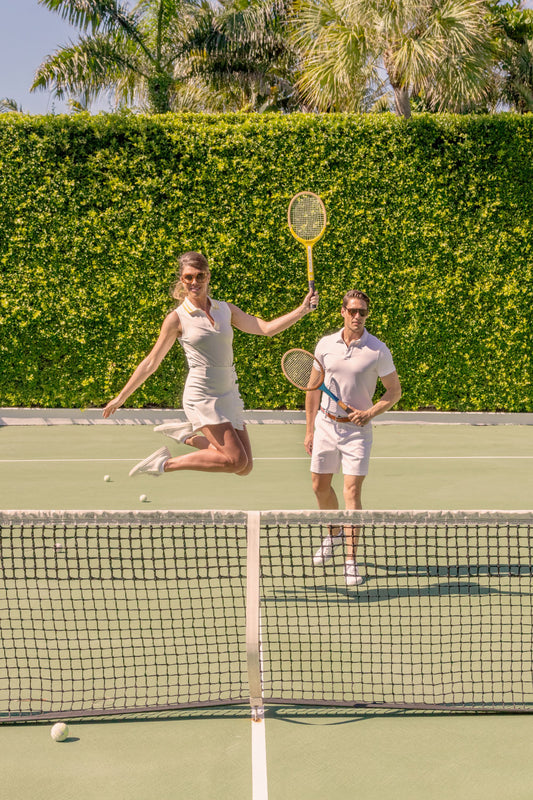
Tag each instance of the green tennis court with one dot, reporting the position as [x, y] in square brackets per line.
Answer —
[413, 466]
[310, 752]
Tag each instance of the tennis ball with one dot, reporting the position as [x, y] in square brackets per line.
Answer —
[107, 478]
[59, 732]
[143, 498]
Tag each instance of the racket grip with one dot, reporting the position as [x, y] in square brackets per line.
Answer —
[313, 304]
[344, 406]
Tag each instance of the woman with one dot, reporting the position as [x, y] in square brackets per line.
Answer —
[211, 399]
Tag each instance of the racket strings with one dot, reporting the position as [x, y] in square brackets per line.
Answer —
[307, 218]
[298, 366]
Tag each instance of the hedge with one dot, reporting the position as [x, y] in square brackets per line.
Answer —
[432, 217]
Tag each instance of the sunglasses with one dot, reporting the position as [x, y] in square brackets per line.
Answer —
[201, 277]
[363, 312]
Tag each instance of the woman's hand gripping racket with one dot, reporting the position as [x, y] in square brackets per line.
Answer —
[307, 223]
[305, 372]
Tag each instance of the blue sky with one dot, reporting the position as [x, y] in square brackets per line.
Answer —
[29, 32]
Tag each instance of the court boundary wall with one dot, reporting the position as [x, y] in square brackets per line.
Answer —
[153, 416]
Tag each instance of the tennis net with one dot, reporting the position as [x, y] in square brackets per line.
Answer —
[122, 612]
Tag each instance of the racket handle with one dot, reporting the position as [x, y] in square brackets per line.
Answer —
[313, 304]
[324, 388]
[344, 406]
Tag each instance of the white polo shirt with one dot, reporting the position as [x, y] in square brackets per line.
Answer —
[351, 371]
[206, 344]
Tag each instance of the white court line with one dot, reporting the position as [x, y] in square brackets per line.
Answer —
[61, 460]
[406, 458]
[254, 658]
[274, 458]
[259, 760]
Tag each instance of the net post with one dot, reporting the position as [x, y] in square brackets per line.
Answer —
[253, 635]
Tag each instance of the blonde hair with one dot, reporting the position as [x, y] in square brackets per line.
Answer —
[189, 259]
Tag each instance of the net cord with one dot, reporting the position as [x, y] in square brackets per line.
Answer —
[239, 517]
[232, 517]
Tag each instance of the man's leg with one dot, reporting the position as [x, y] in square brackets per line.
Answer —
[324, 491]
[326, 499]
[353, 485]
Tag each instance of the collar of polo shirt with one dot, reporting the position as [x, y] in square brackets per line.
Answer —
[357, 342]
[192, 309]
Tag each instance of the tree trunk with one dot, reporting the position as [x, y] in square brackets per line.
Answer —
[402, 102]
[159, 94]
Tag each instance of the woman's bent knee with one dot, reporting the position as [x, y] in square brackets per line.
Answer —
[248, 468]
[237, 464]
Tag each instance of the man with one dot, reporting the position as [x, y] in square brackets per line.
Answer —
[352, 360]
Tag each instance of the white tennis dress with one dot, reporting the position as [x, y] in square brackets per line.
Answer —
[211, 393]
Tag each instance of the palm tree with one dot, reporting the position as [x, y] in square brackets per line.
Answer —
[515, 67]
[7, 104]
[168, 55]
[356, 51]
[245, 52]
[135, 54]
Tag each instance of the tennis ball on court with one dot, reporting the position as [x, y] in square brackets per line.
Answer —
[107, 478]
[143, 498]
[59, 732]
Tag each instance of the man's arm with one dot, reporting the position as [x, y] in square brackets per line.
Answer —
[312, 404]
[393, 392]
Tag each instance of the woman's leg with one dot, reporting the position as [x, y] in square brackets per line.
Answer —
[247, 445]
[227, 450]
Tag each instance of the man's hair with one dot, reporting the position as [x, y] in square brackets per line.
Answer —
[359, 295]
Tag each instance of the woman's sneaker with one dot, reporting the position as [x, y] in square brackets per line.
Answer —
[152, 465]
[180, 431]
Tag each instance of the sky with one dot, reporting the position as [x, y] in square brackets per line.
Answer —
[29, 33]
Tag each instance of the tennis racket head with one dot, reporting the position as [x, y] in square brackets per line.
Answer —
[302, 369]
[307, 217]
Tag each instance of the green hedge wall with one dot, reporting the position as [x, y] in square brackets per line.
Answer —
[432, 217]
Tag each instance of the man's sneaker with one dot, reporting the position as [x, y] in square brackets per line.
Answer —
[351, 574]
[325, 551]
[176, 430]
[153, 465]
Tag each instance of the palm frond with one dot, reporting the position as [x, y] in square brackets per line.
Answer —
[94, 64]
[8, 105]
[102, 15]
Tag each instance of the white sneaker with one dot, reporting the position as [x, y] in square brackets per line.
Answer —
[176, 430]
[325, 551]
[153, 465]
[351, 574]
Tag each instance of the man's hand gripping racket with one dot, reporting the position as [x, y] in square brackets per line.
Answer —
[307, 223]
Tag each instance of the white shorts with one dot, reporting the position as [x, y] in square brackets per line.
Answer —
[337, 444]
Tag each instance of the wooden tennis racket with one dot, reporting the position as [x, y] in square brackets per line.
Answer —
[305, 372]
[307, 223]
